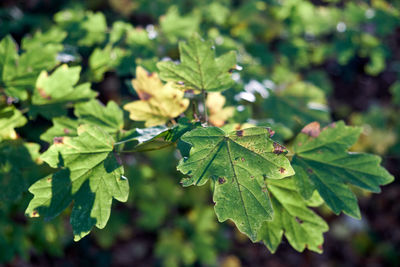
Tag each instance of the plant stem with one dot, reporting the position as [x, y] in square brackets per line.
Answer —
[205, 115]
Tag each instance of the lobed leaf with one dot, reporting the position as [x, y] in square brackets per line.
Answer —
[238, 163]
[292, 218]
[91, 186]
[322, 163]
[199, 69]
[158, 103]
[10, 118]
[53, 92]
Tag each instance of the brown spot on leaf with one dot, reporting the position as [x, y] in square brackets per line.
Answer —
[144, 95]
[43, 93]
[270, 131]
[221, 180]
[310, 171]
[66, 131]
[181, 83]
[265, 189]
[312, 129]
[35, 214]
[49, 179]
[252, 177]
[320, 247]
[239, 133]
[282, 170]
[278, 149]
[300, 221]
[242, 159]
[58, 140]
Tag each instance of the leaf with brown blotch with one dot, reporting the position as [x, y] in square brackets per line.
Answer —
[158, 102]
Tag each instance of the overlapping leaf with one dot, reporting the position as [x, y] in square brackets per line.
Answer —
[298, 103]
[322, 163]
[110, 118]
[10, 118]
[18, 73]
[238, 163]
[54, 91]
[199, 69]
[157, 137]
[292, 218]
[158, 103]
[89, 175]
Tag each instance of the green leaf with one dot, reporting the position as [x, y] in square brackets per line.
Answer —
[109, 118]
[18, 164]
[103, 60]
[199, 68]
[54, 92]
[8, 57]
[174, 26]
[89, 175]
[322, 163]
[157, 137]
[18, 73]
[86, 28]
[299, 103]
[238, 163]
[62, 126]
[53, 36]
[10, 118]
[301, 226]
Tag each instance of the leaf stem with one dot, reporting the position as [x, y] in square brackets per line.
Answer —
[148, 149]
[205, 115]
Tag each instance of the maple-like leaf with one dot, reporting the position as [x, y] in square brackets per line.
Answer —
[158, 103]
[53, 92]
[18, 73]
[238, 163]
[218, 114]
[199, 69]
[302, 227]
[89, 175]
[110, 118]
[322, 163]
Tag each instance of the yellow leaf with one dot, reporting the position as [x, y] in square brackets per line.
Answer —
[158, 102]
[218, 115]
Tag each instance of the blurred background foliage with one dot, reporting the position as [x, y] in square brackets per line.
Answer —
[301, 61]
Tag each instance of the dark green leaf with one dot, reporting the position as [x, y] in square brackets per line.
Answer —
[238, 163]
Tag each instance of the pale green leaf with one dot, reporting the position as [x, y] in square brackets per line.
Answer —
[110, 118]
[10, 118]
[18, 73]
[62, 126]
[53, 92]
[89, 175]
